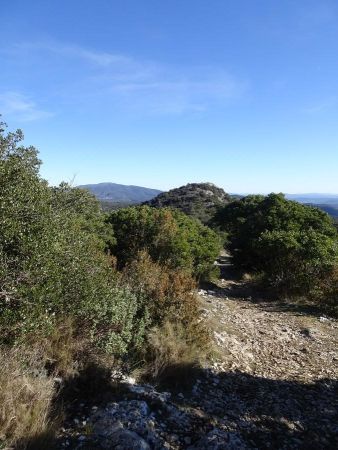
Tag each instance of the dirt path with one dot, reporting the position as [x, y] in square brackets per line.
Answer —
[261, 340]
[273, 385]
[277, 370]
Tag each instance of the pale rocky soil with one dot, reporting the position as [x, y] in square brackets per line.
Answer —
[273, 385]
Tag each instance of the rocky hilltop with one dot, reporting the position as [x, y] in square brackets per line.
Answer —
[199, 200]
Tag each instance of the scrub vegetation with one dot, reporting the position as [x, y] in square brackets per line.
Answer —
[80, 287]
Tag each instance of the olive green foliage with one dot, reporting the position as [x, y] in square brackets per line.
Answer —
[85, 207]
[169, 236]
[292, 245]
[61, 295]
[327, 292]
[52, 263]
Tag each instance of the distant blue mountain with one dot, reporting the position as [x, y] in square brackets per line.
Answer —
[325, 202]
[323, 199]
[120, 193]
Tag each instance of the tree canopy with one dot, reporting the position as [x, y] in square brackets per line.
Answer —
[169, 236]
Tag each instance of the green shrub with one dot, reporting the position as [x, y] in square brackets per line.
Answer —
[292, 245]
[52, 263]
[169, 236]
[169, 300]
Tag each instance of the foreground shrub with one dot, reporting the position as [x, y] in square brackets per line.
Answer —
[169, 236]
[52, 261]
[26, 395]
[178, 340]
[60, 293]
[166, 293]
[294, 246]
[61, 351]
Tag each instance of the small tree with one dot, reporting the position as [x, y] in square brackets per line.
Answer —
[169, 236]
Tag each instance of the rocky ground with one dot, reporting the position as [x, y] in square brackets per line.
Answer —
[273, 385]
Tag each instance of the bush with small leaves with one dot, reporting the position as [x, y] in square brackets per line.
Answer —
[52, 263]
[294, 246]
[169, 236]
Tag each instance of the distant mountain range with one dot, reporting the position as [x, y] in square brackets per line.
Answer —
[323, 199]
[120, 193]
[331, 210]
[325, 202]
[113, 195]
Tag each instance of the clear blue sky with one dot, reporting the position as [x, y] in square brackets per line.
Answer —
[159, 93]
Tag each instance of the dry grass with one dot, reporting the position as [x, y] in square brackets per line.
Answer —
[63, 350]
[171, 357]
[26, 395]
[247, 277]
[28, 391]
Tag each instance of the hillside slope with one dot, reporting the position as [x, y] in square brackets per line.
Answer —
[199, 200]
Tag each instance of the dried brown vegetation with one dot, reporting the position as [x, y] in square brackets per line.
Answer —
[170, 294]
[171, 356]
[26, 395]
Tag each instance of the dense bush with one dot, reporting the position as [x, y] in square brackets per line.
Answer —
[52, 263]
[327, 292]
[168, 294]
[169, 236]
[292, 245]
[64, 305]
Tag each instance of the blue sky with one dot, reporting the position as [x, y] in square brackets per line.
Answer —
[159, 93]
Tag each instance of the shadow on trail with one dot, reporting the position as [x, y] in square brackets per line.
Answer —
[276, 414]
[296, 309]
[259, 413]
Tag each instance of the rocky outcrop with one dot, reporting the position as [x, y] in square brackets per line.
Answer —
[199, 200]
